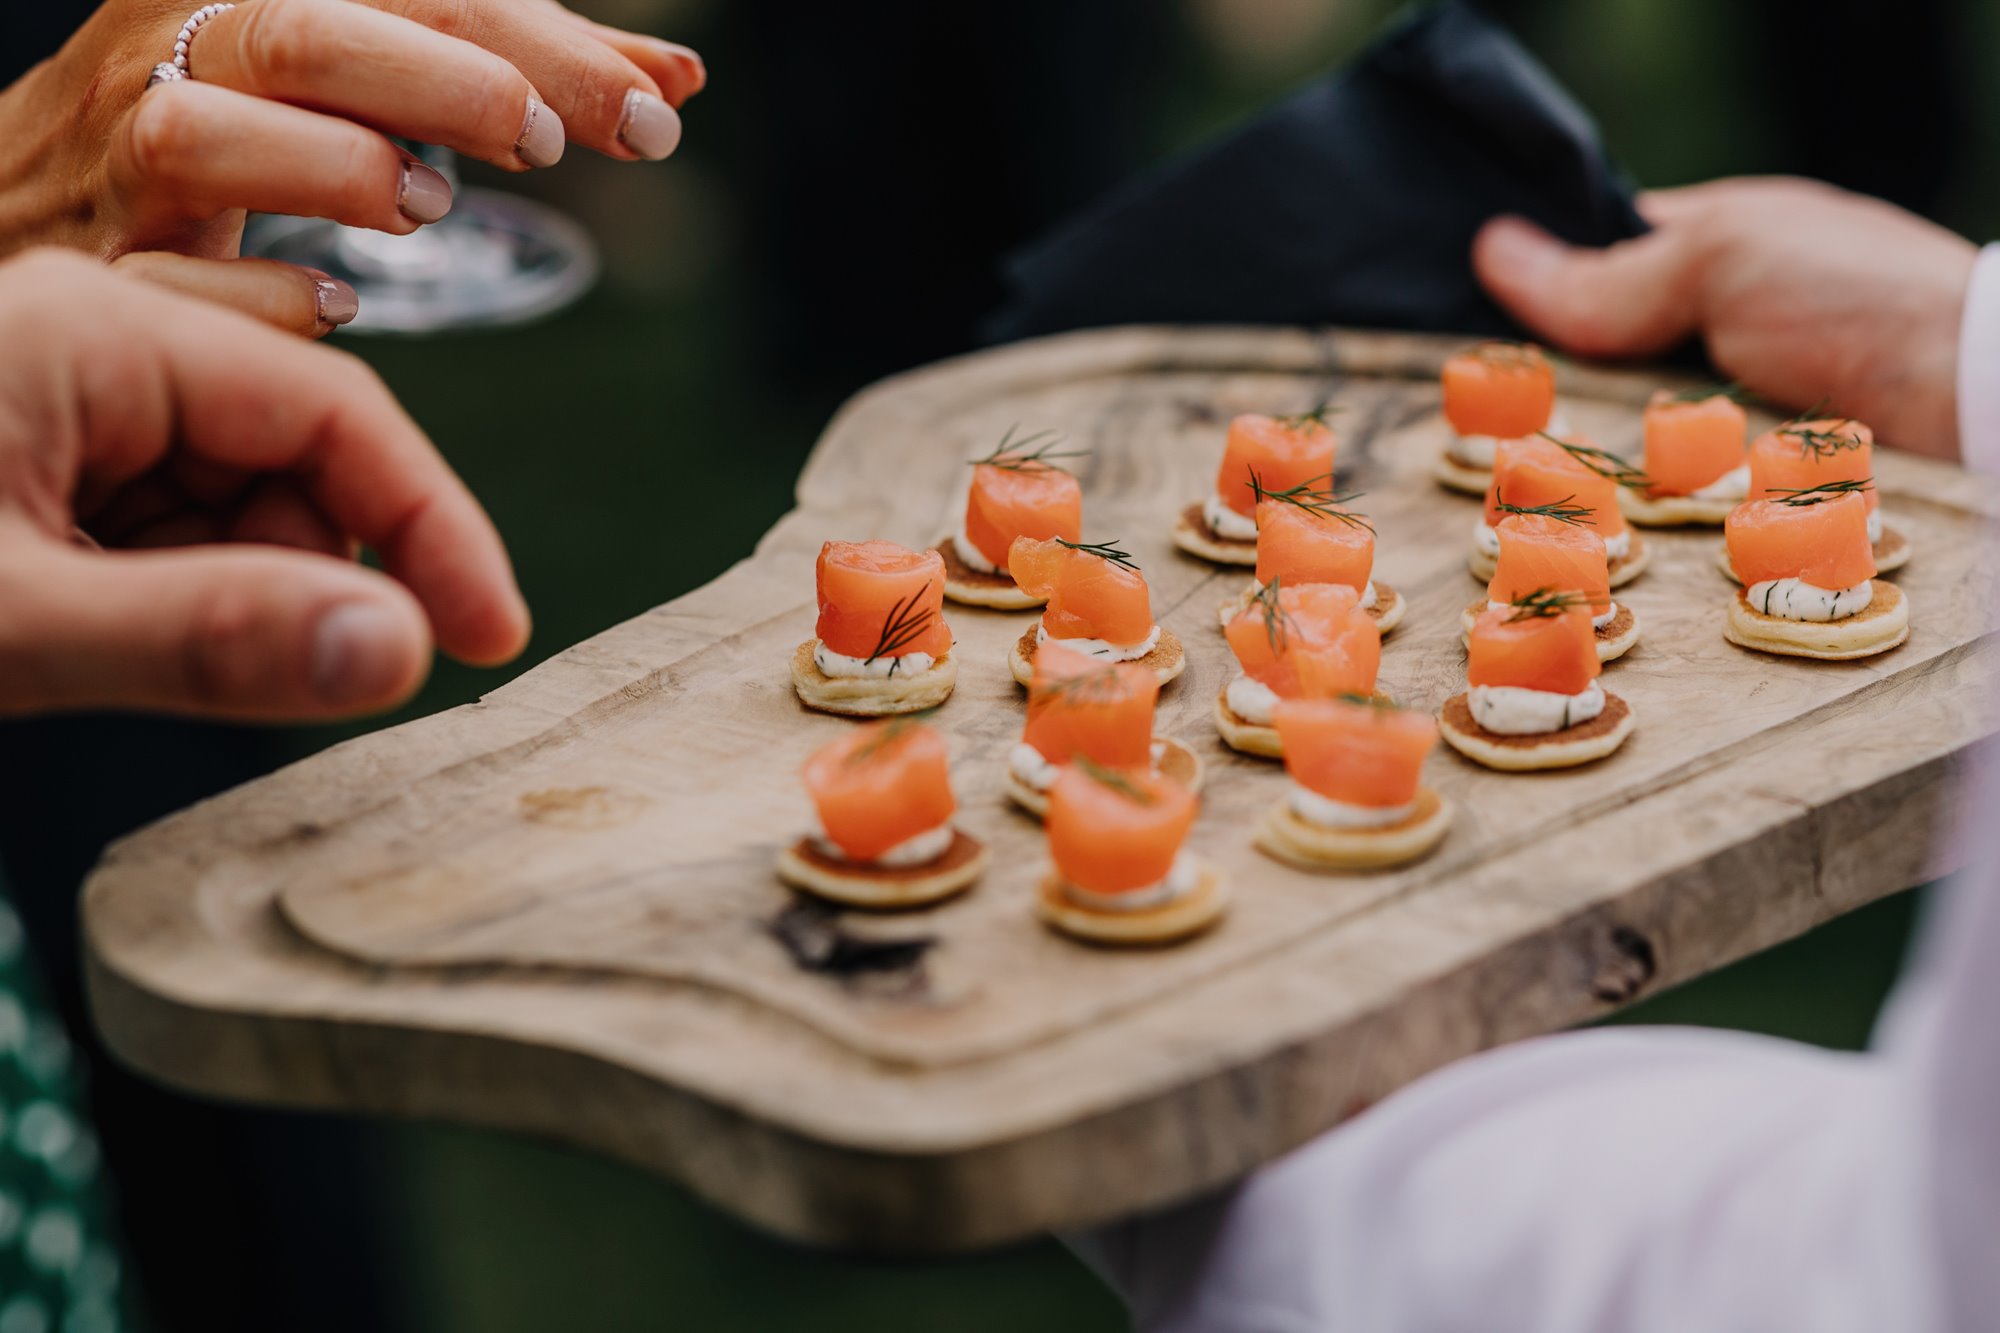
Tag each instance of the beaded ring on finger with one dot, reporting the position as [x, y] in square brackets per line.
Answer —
[173, 71]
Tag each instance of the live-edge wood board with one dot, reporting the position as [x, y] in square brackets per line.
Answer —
[553, 910]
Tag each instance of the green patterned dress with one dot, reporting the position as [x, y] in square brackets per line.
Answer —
[58, 1269]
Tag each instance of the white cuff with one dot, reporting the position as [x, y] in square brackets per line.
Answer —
[1979, 367]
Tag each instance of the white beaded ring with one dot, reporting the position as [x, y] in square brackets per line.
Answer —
[172, 71]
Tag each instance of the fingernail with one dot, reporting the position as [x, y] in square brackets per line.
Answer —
[357, 655]
[337, 301]
[649, 127]
[425, 196]
[542, 139]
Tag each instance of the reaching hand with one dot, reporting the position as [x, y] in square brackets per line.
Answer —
[120, 426]
[1803, 292]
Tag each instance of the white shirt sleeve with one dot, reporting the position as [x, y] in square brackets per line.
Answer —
[1645, 1180]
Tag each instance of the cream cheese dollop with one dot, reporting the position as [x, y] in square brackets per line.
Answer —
[1028, 764]
[912, 851]
[841, 666]
[1874, 526]
[1731, 485]
[1226, 523]
[1326, 812]
[971, 554]
[1101, 649]
[1511, 710]
[1252, 700]
[1795, 599]
[1181, 880]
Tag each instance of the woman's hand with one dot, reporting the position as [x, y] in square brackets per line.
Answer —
[289, 111]
[1804, 293]
[177, 528]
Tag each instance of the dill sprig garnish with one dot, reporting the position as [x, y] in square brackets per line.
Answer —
[1104, 551]
[1112, 778]
[1094, 686]
[1603, 462]
[887, 734]
[1277, 621]
[1801, 496]
[1316, 417]
[1820, 443]
[1543, 603]
[1032, 453]
[1562, 511]
[902, 626]
[1734, 391]
[1309, 496]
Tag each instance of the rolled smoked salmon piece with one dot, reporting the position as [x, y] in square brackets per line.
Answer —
[1691, 444]
[880, 785]
[1800, 455]
[1314, 639]
[1022, 499]
[1503, 390]
[1280, 452]
[1823, 543]
[1363, 754]
[1089, 596]
[1538, 553]
[1081, 706]
[1114, 832]
[1300, 546]
[1556, 653]
[878, 599]
[1536, 473]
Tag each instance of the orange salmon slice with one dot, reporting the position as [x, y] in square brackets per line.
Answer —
[1825, 544]
[1103, 711]
[1535, 472]
[1310, 640]
[1689, 445]
[1557, 653]
[1300, 547]
[1359, 753]
[1538, 553]
[878, 599]
[1089, 597]
[1505, 390]
[880, 785]
[1800, 455]
[1120, 835]
[1026, 500]
[1281, 452]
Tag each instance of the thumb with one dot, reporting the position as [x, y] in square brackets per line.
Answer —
[1635, 298]
[236, 632]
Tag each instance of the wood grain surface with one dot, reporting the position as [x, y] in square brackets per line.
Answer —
[553, 910]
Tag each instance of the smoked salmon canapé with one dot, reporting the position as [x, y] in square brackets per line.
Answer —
[1080, 707]
[1695, 460]
[1261, 454]
[1812, 457]
[1541, 552]
[1023, 488]
[882, 795]
[1307, 535]
[1294, 643]
[1097, 605]
[1534, 700]
[1120, 873]
[1356, 800]
[881, 646]
[1808, 575]
[1493, 392]
[1570, 479]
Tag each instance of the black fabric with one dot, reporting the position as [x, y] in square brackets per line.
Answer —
[1354, 202]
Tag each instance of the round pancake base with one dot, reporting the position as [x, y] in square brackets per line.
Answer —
[1884, 625]
[1615, 638]
[1463, 478]
[1176, 762]
[883, 888]
[1193, 535]
[1284, 836]
[1387, 611]
[1673, 511]
[1584, 743]
[976, 587]
[1185, 916]
[1167, 660]
[871, 696]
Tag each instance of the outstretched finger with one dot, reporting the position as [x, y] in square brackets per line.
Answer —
[1635, 298]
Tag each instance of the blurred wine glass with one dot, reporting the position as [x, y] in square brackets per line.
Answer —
[494, 260]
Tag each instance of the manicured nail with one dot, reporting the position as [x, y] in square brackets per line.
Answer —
[425, 196]
[337, 301]
[542, 138]
[649, 127]
[357, 655]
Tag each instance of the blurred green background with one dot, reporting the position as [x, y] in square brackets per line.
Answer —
[803, 242]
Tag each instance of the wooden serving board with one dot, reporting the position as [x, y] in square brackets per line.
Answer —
[554, 910]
